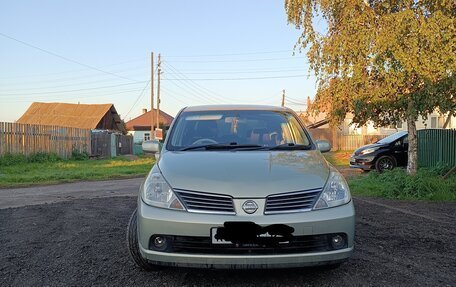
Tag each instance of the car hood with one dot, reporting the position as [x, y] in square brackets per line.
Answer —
[244, 173]
[374, 145]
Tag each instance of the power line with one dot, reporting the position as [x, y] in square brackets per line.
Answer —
[70, 71]
[173, 96]
[264, 100]
[198, 86]
[240, 79]
[258, 69]
[54, 87]
[69, 97]
[295, 99]
[242, 72]
[60, 80]
[75, 90]
[230, 54]
[190, 90]
[64, 58]
[237, 61]
[137, 99]
[272, 97]
[296, 103]
[192, 86]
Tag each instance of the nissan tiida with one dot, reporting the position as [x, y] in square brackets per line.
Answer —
[241, 187]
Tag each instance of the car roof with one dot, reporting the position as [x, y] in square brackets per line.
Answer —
[234, 107]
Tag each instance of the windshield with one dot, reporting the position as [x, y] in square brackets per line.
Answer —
[391, 138]
[236, 128]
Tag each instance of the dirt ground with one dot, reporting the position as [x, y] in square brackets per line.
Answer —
[79, 239]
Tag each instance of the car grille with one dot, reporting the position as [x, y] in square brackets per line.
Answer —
[203, 245]
[291, 201]
[206, 202]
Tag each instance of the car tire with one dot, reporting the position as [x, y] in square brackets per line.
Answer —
[385, 162]
[133, 246]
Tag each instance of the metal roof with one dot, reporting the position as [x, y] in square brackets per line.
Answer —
[143, 122]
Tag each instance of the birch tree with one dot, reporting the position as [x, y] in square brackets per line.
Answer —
[384, 61]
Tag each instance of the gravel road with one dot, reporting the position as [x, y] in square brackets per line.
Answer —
[77, 237]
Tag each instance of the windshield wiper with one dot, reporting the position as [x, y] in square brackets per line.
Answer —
[290, 146]
[229, 146]
[238, 147]
[286, 146]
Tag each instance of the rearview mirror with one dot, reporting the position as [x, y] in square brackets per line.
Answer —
[323, 145]
[152, 146]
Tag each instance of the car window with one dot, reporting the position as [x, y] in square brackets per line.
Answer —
[264, 128]
[392, 138]
[405, 140]
[299, 136]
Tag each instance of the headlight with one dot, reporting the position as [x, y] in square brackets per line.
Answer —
[157, 192]
[369, 150]
[336, 192]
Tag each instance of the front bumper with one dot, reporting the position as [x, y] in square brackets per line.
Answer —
[152, 221]
[366, 162]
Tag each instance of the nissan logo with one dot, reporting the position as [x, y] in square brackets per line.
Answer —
[250, 206]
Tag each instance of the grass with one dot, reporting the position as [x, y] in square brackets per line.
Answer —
[427, 184]
[339, 158]
[16, 171]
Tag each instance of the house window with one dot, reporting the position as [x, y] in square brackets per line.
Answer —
[147, 136]
[433, 122]
[399, 125]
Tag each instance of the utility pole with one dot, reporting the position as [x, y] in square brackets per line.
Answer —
[152, 124]
[283, 98]
[158, 90]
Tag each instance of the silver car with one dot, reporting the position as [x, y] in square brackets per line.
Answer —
[241, 187]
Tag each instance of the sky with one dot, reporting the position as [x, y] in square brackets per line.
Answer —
[212, 52]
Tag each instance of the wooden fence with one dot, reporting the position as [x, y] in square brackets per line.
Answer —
[106, 144]
[101, 144]
[124, 144]
[343, 142]
[28, 139]
[351, 142]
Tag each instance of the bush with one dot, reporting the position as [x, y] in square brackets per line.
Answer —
[441, 168]
[9, 159]
[427, 184]
[77, 155]
[43, 157]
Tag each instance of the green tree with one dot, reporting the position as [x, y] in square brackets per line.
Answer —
[383, 60]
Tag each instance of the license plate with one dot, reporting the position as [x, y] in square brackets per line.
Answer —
[222, 241]
[217, 241]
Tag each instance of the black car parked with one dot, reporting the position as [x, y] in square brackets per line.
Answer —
[385, 154]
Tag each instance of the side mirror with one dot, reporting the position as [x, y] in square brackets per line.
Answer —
[152, 146]
[323, 145]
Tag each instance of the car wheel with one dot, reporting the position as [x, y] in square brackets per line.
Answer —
[385, 162]
[132, 243]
